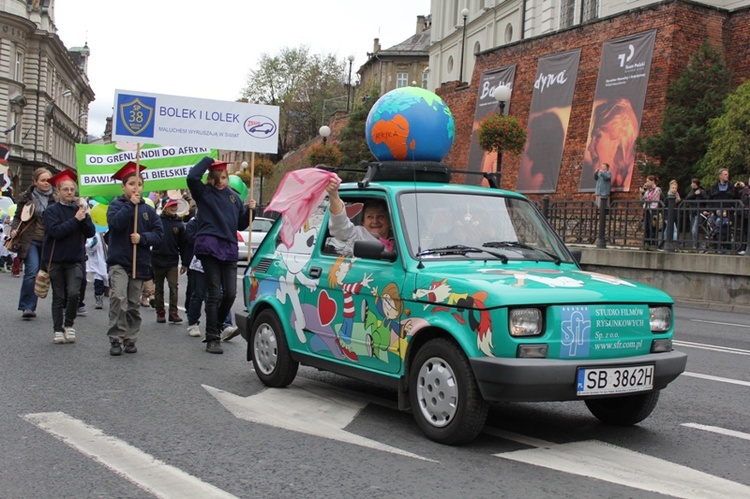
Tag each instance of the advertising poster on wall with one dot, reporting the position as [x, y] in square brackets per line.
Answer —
[618, 108]
[479, 159]
[551, 101]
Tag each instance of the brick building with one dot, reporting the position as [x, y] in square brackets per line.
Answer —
[681, 26]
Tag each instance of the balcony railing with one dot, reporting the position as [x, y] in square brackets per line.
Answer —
[702, 226]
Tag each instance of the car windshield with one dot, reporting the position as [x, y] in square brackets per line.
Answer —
[475, 226]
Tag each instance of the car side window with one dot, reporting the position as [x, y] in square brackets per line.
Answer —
[358, 228]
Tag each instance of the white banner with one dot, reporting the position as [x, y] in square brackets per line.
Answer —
[168, 119]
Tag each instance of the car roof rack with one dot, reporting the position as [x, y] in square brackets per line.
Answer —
[410, 171]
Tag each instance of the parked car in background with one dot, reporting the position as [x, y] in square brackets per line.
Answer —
[260, 227]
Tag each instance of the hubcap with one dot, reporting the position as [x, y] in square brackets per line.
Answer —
[437, 392]
[265, 349]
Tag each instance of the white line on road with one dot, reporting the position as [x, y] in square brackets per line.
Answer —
[717, 378]
[713, 348]
[131, 463]
[613, 464]
[720, 323]
[716, 429]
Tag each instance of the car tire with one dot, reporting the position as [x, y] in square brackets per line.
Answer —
[623, 411]
[272, 360]
[445, 398]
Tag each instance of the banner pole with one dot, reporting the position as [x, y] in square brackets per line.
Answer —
[135, 215]
[252, 192]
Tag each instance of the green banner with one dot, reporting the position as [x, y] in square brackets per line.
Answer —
[166, 167]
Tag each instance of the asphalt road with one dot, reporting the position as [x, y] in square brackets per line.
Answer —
[175, 421]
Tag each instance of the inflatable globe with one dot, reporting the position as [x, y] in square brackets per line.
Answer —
[410, 124]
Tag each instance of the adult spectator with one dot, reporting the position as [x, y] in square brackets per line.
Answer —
[28, 224]
[652, 219]
[603, 189]
[695, 196]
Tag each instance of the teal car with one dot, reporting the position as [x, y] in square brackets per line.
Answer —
[479, 301]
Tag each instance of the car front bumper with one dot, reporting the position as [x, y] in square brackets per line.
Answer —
[539, 380]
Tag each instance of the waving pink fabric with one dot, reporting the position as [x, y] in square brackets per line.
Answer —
[299, 194]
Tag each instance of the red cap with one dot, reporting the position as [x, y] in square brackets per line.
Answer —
[127, 170]
[218, 165]
[66, 174]
[171, 202]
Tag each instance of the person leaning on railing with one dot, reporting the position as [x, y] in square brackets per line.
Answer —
[697, 193]
[651, 193]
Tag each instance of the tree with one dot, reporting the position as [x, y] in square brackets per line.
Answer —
[324, 154]
[299, 83]
[352, 140]
[730, 138]
[691, 102]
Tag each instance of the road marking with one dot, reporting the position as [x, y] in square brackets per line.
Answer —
[714, 348]
[308, 407]
[720, 323]
[614, 464]
[143, 470]
[717, 378]
[716, 429]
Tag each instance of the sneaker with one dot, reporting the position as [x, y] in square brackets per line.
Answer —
[115, 348]
[229, 332]
[59, 337]
[145, 303]
[214, 346]
[347, 353]
[99, 302]
[82, 310]
[194, 331]
[130, 346]
[161, 316]
[28, 314]
[175, 319]
[70, 334]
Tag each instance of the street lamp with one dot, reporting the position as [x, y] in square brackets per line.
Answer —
[464, 14]
[501, 95]
[324, 132]
[350, 58]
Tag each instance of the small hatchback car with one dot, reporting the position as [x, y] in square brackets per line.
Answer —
[478, 301]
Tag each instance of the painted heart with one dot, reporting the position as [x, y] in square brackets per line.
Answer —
[326, 308]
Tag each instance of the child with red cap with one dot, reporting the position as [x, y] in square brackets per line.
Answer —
[222, 214]
[165, 261]
[67, 225]
[132, 223]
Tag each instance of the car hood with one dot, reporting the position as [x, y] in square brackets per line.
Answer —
[526, 283]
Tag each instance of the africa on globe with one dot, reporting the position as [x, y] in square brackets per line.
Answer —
[410, 124]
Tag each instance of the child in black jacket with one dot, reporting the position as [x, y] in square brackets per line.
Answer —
[165, 262]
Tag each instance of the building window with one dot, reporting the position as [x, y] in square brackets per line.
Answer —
[450, 64]
[509, 33]
[424, 79]
[589, 10]
[18, 69]
[567, 13]
[402, 80]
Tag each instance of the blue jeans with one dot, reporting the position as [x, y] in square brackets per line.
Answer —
[197, 297]
[221, 284]
[27, 300]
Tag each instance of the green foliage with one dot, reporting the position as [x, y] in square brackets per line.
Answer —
[691, 102]
[352, 140]
[502, 133]
[730, 139]
[299, 83]
[321, 154]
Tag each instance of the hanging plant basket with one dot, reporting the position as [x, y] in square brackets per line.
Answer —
[500, 133]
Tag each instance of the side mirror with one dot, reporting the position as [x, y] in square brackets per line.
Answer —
[373, 250]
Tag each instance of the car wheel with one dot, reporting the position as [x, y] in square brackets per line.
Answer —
[623, 411]
[271, 358]
[445, 398]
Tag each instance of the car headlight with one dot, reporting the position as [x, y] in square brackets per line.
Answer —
[525, 321]
[660, 319]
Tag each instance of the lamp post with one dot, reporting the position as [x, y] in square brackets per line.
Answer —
[324, 132]
[501, 95]
[464, 14]
[350, 58]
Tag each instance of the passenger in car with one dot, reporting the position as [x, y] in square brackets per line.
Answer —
[376, 223]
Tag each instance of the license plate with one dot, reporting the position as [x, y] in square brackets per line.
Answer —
[606, 381]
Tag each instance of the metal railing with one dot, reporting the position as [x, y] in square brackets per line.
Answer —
[701, 226]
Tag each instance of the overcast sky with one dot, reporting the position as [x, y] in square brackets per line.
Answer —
[206, 49]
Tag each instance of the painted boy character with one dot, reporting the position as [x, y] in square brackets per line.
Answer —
[339, 271]
[389, 307]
